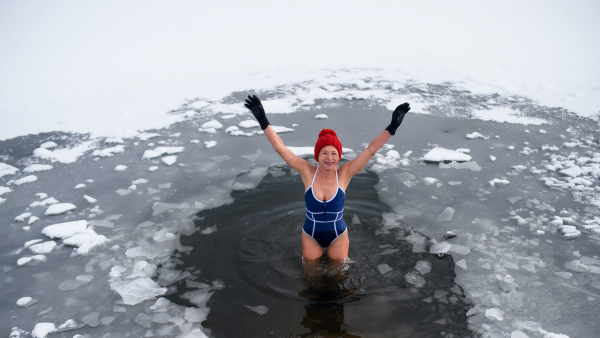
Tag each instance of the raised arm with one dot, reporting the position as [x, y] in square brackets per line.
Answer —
[356, 165]
[299, 164]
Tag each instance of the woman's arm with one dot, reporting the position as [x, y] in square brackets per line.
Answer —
[356, 165]
[299, 164]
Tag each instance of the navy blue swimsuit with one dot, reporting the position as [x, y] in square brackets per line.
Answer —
[324, 219]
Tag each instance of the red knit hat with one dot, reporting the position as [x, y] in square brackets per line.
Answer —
[327, 137]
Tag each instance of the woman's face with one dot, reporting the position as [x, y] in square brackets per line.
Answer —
[329, 157]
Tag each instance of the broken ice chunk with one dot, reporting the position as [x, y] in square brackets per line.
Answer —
[42, 330]
[495, 313]
[26, 179]
[462, 263]
[22, 217]
[59, 208]
[321, 117]
[31, 260]
[43, 248]
[90, 199]
[260, 309]
[86, 241]
[446, 215]
[429, 180]
[414, 279]
[423, 266]
[26, 302]
[138, 290]
[383, 268]
[440, 248]
[210, 144]
[498, 182]
[169, 160]
[475, 135]
[64, 230]
[444, 155]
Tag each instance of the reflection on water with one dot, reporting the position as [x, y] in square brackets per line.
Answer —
[256, 252]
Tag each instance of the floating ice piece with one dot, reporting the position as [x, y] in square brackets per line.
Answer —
[414, 279]
[321, 117]
[212, 124]
[248, 124]
[153, 168]
[43, 248]
[492, 158]
[497, 182]
[429, 180]
[210, 144]
[147, 136]
[42, 330]
[475, 135]
[231, 129]
[4, 190]
[423, 266]
[37, 167]
[169, 160]
[138, 290]
[31, 260]
[417, 240]
[383, 268]
[90, 199]
[260, 309]
[159, 207]
[139, 181]
[282, 129]
[59, 208]
[445, 155]
[26, 179]
[149, 154]
[196, 315]
[195, 333]
[570, 232]
[572, 172]
[120, 167]
[114, 140]
[459, 249]
[450, 234]
[108, 152]
[207, 130]
[26, 302]
[462, 263]
[446, 215]
[79, 186]
[440, 248]
[86, 241]
[6, 169]
[518, 334]
[495, 313]
[48, 145]
[64, 230]
[22, 217]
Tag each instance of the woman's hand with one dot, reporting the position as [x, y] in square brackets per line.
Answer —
[397, 117]
[253, 103]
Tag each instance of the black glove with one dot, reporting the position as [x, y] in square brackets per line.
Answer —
[253, 103]
[397, 117]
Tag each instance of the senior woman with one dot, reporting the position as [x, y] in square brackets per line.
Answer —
[325, 184]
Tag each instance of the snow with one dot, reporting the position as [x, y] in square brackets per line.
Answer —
[169, 160]
[59, 208]
[508, 115]
[85, 241]
[248, 124]
[439, 154]
[65, 230]
[475, 135]
[321, 116]
[48, 145]
[26, 179]
[37, 167]
[108, 152]
[6, 169]
[42, 330]
[4, 190]
[64, 155]
[210, 144]
[120, 167]
[149, 154]
[212, 124]
[43, 248]
[25, 301]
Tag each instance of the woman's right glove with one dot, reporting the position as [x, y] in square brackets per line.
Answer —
[253, 103]
[397, 117]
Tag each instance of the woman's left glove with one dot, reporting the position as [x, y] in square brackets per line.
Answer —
[397, 117]
[253, 103]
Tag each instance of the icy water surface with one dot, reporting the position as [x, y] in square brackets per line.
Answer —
[256, 254]
[165, 216]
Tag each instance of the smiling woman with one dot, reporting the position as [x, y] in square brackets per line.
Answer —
[325, 189]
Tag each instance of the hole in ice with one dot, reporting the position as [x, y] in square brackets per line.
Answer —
[256, 257]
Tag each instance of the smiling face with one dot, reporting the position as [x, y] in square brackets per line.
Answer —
[329, 157]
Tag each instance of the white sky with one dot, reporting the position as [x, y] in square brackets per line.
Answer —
[102, 66]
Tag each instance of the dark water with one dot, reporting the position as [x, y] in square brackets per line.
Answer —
[256, 252]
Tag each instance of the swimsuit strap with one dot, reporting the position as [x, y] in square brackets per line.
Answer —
[336, 179]
[315, 176]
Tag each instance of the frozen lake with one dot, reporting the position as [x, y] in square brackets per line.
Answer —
[211, 221]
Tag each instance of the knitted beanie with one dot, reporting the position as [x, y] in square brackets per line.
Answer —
[327, 137]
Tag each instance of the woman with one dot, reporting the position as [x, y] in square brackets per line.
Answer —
[325, 184]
